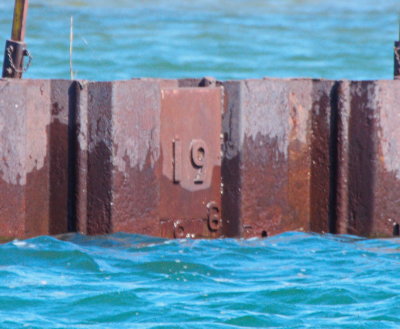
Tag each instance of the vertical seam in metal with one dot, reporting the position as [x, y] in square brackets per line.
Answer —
[239, 150]
[334, 145]
[72, 155]
[340, 180]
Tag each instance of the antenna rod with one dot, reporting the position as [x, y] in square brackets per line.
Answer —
[15, 50]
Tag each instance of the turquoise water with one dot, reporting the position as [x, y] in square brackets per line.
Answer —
[294, 280]
[228, 39]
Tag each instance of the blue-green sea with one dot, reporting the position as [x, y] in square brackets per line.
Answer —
[294, 280]
[228, 39]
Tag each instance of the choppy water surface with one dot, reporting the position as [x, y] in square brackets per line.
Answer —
[228, 39]
[125, 281]
[294, 280]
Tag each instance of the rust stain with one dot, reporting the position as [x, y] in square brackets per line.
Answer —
[191, 158]
[145, 156]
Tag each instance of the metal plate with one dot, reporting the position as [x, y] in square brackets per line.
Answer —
[191, 159]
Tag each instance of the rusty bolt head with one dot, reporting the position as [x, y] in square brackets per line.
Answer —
[207, 82]
[179, 230]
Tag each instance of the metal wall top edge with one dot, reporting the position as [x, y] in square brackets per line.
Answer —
[195, 79]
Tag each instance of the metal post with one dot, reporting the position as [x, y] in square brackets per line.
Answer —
[397, 60]
[15, 50]
[397, 57]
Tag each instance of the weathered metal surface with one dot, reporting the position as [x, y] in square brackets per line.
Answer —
[323, 155]
[191, 159]
[368, 184]
[135, 150]
[61, 156]
[132, 183]
[13, 63]
[276, 172]
[78, 169]
[33, 165]
[144, 156]
[117, 147]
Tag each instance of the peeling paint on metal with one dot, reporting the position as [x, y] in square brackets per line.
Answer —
[261, 101]
[138, 135]
[387, 95]
[38, 121]
[23, 107]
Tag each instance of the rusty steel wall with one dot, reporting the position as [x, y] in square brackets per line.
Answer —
[127, 133]
[117, 128]
[198, 157]
[276, 169]
[368, 184]
[34, 160]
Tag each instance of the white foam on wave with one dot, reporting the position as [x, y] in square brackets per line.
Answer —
[19, 243]
[22, 244]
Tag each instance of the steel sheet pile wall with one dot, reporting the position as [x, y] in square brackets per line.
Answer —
[34, 161]
[128, 131]
[120, 153]
[199, 158]
[368, 164]
[277, 155]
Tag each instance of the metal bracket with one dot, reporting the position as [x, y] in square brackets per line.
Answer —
[397, 60]
[13, 66]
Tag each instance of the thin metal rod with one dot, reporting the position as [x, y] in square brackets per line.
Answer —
[19, 21]
[71, 45]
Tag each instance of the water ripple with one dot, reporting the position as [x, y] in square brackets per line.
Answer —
[226, 39]
[293, 280]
